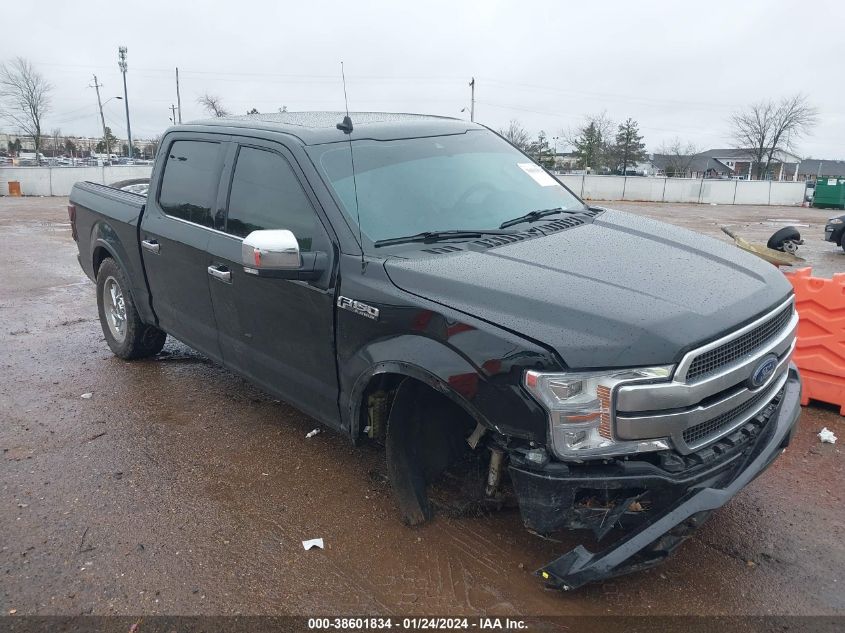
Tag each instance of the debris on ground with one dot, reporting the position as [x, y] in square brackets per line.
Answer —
[311, 434]
[86, 396]
[827, 436]
[314, 542]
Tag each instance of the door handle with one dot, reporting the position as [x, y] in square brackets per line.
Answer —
[151, 245]
[221, 273]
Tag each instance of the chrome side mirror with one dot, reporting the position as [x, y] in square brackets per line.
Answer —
[270, 250]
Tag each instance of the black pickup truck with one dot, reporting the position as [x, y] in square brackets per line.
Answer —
[420, 282]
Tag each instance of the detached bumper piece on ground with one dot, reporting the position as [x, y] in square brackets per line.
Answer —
[657, 503]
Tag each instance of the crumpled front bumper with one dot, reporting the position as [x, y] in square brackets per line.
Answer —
[679, 502]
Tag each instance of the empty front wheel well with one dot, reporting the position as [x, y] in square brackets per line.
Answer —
[424, 432]
[378, 398]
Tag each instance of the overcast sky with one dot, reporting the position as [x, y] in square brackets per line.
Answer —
[679, 68]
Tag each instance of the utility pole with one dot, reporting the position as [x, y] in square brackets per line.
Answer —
[472, 100]
[97, 86]
[121, 54]
[178, 97]
[173, 114]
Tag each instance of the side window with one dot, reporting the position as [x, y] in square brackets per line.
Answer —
[189, 186]
[266, 194]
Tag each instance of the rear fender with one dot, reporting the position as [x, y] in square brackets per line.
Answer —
[103, 236]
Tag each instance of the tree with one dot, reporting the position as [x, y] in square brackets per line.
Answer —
[213, 105]
[541, 151]
[24, 97]
[70, 146]
[55, 136]
[766, 127]
[136, 152]
[591, 142]
[106, 143]
[629, 149]
[154, 143]
[517, 135]
[253, 111]
[14, 146]
[679, 157]
[283, 109]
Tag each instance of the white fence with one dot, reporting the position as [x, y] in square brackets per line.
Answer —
[58, 181]
[649, 189]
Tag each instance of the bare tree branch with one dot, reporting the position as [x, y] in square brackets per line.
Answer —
[24, 97]
[592, 141]
[767, 127]
[679, 156]
[213, 105]
[516, 134]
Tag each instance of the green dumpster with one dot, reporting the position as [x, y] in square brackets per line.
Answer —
[830, 193]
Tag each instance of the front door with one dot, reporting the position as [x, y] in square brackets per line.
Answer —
[279, 333]
[175, 232]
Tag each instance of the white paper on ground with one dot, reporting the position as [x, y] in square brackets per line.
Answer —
[827, 436]
[311, 434]
[538, 174]
[314, 542]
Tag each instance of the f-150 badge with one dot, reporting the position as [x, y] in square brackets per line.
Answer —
[358, 308]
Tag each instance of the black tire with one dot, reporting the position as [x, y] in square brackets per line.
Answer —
[786, 234]
[128, 337]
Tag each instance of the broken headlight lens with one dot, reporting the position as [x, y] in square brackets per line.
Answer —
[579, 406]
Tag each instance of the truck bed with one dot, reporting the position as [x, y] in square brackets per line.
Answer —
[107, 222]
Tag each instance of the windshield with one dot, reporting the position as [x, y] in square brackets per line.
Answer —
[469, 181]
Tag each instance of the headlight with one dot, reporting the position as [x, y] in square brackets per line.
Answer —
[835, 221]
[579, 406]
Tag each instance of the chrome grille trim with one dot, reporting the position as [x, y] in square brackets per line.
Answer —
[719, 401]
[689, 357]
[676, 394]
[674, 424]
[711, 361]
[701, 434]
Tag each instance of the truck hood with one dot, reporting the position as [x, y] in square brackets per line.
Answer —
[619, 292]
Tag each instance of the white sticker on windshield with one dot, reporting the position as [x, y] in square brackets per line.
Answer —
[536, 172]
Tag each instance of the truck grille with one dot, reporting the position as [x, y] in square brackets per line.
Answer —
[714, 359]
[701, 433]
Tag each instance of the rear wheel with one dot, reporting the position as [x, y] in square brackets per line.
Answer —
[125, 334]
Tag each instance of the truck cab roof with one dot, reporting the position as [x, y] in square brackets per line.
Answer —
[315, 128]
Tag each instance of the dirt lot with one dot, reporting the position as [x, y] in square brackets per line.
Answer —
[178, 488]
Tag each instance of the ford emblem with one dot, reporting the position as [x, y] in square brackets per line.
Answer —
[764, 370]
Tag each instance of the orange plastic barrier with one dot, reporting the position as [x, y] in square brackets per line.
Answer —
[820, 350]
[14, 188]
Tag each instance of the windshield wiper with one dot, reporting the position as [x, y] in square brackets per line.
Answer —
[532, 216]
[435, 236]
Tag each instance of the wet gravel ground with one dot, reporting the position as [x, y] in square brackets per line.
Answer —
[179, 488]
[755, 224]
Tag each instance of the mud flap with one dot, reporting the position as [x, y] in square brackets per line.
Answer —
[404, 463]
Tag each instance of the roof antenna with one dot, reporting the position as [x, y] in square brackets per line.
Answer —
[345, 126]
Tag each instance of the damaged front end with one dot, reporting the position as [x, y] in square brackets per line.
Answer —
[653, 500]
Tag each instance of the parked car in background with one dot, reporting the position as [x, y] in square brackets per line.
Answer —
[834, 230]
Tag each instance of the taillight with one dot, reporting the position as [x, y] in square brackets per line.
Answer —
[71, 214]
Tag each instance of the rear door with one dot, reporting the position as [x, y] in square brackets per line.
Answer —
[175, 232]
[279, 333]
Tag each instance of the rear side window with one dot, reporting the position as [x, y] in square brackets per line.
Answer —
[266, 194]
[189, 186]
